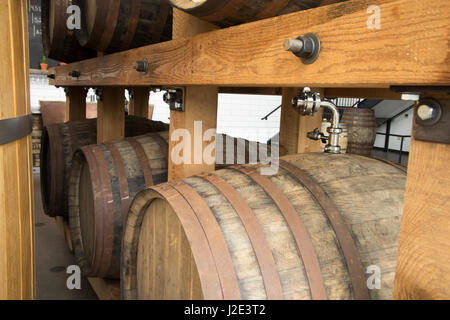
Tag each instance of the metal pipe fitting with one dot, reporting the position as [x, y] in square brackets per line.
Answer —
[308, 103]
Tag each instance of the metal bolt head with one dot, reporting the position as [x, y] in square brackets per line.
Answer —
[426, 112]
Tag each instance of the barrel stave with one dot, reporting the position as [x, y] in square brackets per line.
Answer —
[230, 13]
[113, 26]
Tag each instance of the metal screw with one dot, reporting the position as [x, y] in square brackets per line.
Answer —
[426, 112]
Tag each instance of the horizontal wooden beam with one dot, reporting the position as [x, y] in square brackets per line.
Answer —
[410, 48]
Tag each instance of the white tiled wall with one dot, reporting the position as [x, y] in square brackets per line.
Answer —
[400, 126]
[238, 115]
[40, 90]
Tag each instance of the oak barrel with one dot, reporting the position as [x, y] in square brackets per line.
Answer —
[105, 179]
[111, 26]
[362, 128]
[36, 136]
[59, 42]
[60, 141]
[311, 231]
[225, 13]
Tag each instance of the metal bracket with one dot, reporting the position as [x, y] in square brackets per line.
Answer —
[130, 93]
[99, 93]
[67, 90]
[175, 98]
[432, 119]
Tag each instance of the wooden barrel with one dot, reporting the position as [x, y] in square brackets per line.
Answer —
[229, 13]
[112, 26]
[311, 231]
[362, 128]
[59, 42]
[60, 141]
[36, 136]
[122, 168]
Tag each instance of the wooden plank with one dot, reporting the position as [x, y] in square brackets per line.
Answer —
[294, 128]
[16, 186]
[139, 103]
[105, 289]
[423, 269]
[253, 55]
[75, 103]
[111, 115]
[200, 107]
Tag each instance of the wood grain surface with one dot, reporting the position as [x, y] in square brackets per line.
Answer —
[17, 267]
[423, 270]
[252, 54]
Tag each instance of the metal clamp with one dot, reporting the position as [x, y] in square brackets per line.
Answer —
[307, 103]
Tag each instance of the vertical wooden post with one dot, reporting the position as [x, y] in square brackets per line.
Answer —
[200, 104]
[294, 128]
[16, 180]
[75, 103]
[423, 268]
[111, 114]
[139, 102]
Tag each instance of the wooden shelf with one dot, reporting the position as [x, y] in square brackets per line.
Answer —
[410, 49]
[407, 50]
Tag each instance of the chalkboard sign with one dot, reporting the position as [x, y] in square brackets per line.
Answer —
[35, 35]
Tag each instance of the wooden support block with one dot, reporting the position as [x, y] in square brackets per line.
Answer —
[423, 269]
[111, 114]
[139, 102]
[200, 106]
[75, 103]
[105, 289]
[294, 128]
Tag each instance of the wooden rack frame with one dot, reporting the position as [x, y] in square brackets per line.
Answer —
[410, 49]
